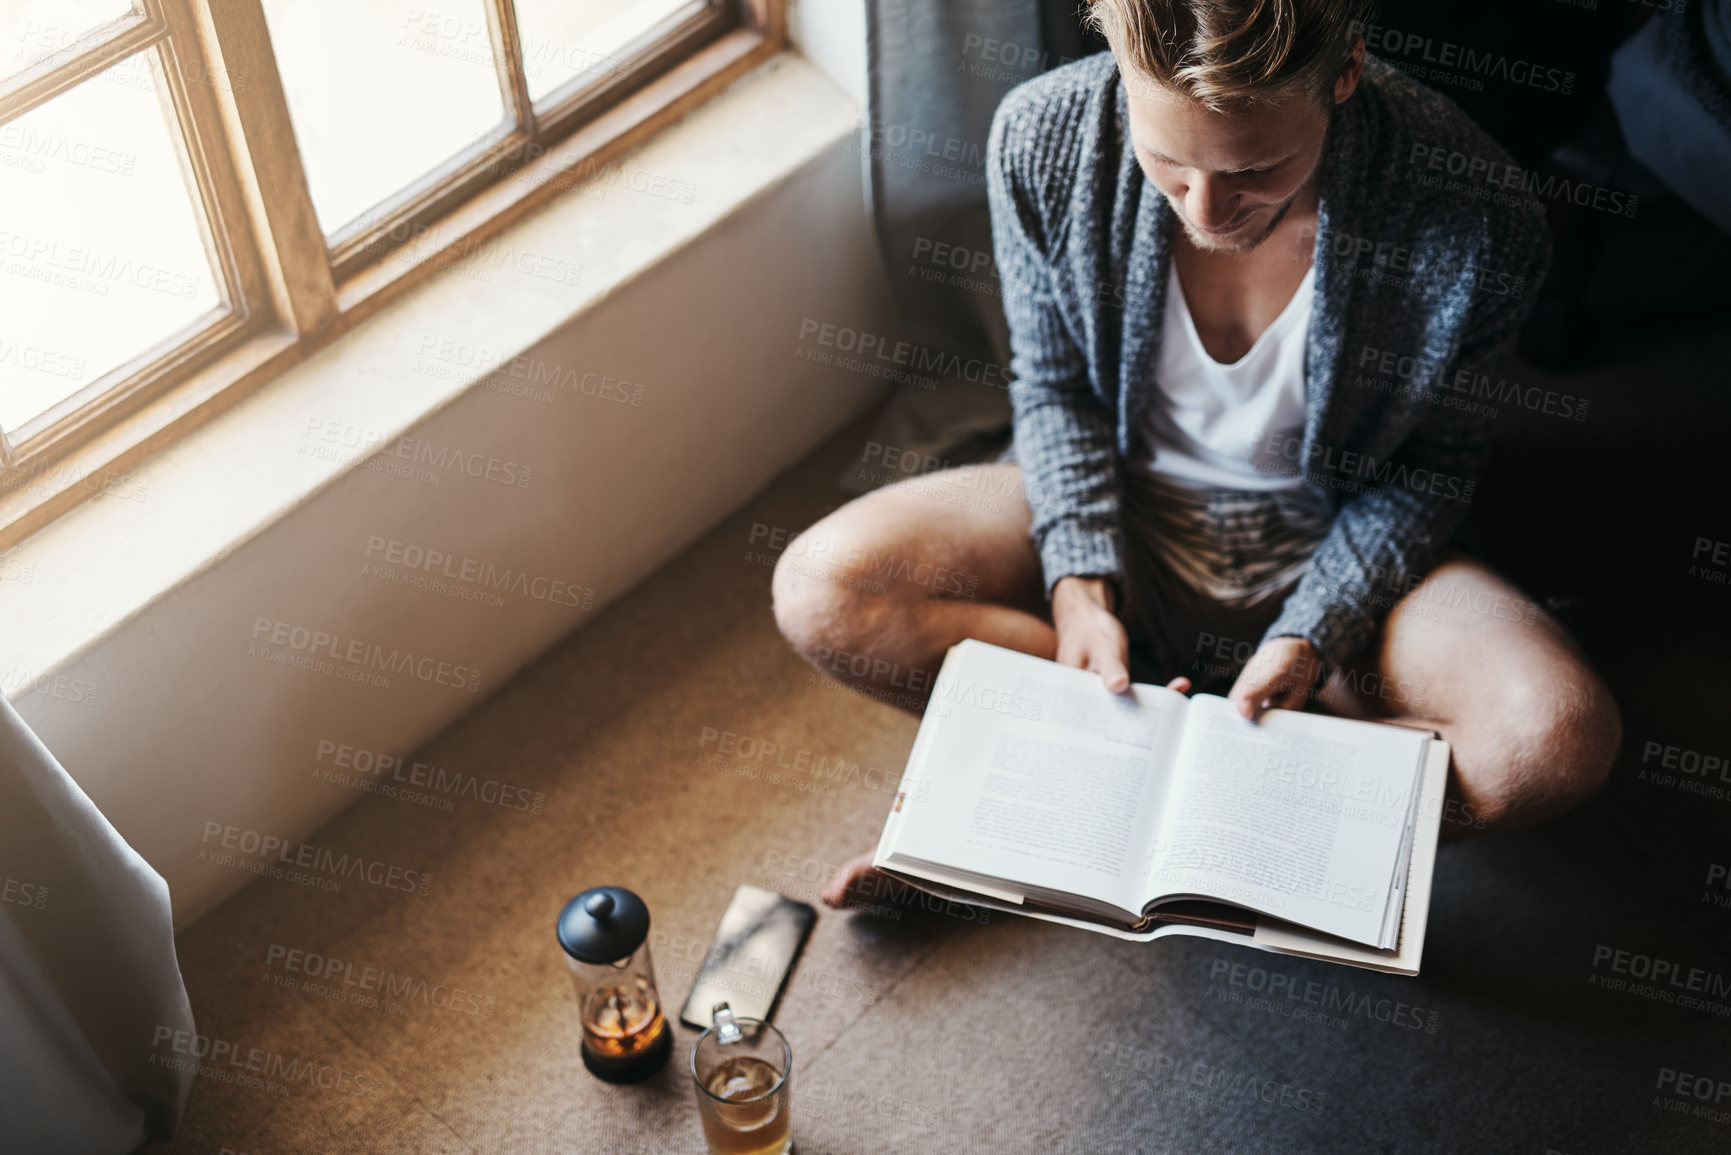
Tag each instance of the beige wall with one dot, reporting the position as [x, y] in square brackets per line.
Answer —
[190, 726]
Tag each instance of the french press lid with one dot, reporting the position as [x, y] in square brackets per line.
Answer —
[603, 925]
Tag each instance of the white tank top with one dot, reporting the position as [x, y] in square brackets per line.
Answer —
[1224, 426]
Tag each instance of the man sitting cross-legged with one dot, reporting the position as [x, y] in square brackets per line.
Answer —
[1245, 329]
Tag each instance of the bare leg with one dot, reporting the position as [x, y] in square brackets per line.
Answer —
[1532, 728]
[876, 592]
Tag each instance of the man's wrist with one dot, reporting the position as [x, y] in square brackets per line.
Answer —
[1315, 667]
[1101, 589]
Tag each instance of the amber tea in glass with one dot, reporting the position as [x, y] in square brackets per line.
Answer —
[742, 1069]
[622, 1020]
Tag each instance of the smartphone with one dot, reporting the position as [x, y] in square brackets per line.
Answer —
[760, 935]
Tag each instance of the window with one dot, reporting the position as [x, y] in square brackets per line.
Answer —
[199, 192]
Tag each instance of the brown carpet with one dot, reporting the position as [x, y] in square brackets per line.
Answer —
[620, 726]
[925, 1032]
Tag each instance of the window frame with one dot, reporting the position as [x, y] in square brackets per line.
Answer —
[289, 289]
[233, 255]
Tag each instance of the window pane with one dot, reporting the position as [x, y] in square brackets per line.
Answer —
[381, 93]
[101, 244]
[566, 38]
[32, 29]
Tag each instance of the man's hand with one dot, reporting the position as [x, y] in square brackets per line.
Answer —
[1089, 636]
[1280, 674]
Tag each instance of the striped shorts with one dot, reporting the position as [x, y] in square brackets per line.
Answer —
[1206, 571]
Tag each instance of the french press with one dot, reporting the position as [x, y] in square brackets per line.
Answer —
[605, 933]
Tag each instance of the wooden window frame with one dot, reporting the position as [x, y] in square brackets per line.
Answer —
[288, 289]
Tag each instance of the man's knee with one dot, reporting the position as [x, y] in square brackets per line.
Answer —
[806, 607]
[1559, 736]
[817, 608]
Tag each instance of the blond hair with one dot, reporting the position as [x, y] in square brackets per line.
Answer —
[1225, 54]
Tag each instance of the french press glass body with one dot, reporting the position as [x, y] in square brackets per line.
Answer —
[605, 934]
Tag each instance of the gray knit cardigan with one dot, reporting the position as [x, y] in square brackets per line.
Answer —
[1424, 273]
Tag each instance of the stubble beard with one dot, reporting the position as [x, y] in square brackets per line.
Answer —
[1208, 242]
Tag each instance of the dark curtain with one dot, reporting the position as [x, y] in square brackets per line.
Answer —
[937, 70]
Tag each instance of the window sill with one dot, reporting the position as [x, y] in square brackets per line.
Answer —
[160, 526]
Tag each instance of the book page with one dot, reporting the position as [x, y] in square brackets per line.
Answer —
[1299, 816]
[1035, 774]
[1415, 910]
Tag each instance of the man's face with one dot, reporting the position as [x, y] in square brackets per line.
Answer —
[1230, 176]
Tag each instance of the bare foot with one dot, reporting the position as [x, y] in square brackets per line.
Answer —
[857, 883]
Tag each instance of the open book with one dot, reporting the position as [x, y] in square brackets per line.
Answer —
[1032, 788]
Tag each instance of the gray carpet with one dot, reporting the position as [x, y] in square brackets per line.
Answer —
[923, 1032]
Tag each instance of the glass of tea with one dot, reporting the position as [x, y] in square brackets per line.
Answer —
[742, 1069]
